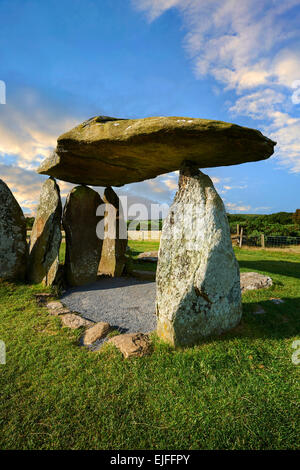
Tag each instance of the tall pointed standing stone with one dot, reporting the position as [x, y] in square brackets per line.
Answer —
[45, 236]
[13, 245]
[113, 259]
[198, 282]
[83, 247]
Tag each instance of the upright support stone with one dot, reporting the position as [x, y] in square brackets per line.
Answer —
[198, 280]
[45, 236]
[83, 247]
[113, 259]
[13, 245]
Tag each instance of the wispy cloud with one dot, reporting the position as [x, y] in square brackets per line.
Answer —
[251, 47]
[29, 128]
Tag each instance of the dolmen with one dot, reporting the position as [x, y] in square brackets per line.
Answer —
[198, 279]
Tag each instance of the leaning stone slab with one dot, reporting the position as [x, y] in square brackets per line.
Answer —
[253, 281]
[114, 246]
[83, 247]
[74, 322]
[45, 236]
[13, 244]
[105, 151]
[96, 332]
[198, 279]
[132, 344]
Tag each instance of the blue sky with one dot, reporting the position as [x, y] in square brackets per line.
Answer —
[64, 61]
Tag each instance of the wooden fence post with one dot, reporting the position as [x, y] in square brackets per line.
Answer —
[263, 244]
[241, 237]
[238, 229]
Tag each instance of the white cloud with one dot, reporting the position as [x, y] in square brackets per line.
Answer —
[155, 8]
[29, 129]
[235, 207]
[25, 186]
[251, 47]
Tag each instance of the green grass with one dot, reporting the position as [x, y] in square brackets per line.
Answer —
[239, 391]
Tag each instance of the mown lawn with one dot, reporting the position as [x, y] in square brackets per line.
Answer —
[239, 391]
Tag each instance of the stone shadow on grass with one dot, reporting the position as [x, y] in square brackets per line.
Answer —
[284, 268]
[107, 282]
[278, 322]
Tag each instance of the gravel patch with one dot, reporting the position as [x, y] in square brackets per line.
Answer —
[127, 304]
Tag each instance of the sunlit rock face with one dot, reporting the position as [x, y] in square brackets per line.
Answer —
[13, 245]
[198, 279]
[83, 247]
[45, 236]
[106, 151]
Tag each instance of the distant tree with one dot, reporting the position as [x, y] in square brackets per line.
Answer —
[29, 222]
[296, 217]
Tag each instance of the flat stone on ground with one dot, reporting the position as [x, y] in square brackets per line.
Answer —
[42, 297]
[105, 151]
[54, 305]
[132, 344]
[57, 308]
[253, 281]
[277, 301]
[96, 332]
[75, 321]
[148, 256]
[258, 310]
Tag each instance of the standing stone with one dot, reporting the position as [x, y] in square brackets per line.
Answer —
[83, 247]
[113, 259]
[13, 245]
[45, 236]
[198, 280]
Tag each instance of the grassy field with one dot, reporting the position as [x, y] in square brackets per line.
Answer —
[238, 391]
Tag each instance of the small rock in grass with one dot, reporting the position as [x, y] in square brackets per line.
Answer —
[148, 256]
[132, 344]
[75, 321]
[54, 305]
[42, 297]
[95, 333]
[59, 311]
[57, 308]
[253, 281]
[277, 301]
[259, 310]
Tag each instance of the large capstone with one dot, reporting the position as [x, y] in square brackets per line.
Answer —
[115, 236]
[106, 151]
[13, 245]
[198, 280]
[45, 236]
[83, 247]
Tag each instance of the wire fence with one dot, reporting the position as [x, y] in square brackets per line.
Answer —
[281, 241]
[269, 241]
